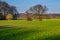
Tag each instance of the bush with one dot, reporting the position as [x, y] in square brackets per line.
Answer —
[9, 17]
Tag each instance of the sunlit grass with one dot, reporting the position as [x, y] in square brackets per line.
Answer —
[30, 30]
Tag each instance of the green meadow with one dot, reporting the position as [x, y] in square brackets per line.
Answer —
[30, 30]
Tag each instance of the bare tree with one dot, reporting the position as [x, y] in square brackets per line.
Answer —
[3, 7]
[38, 9]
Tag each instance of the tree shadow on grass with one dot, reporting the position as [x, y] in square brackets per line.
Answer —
[50, 38]
[10, 33]
[20, 34]
[2, 27]
[53, 38]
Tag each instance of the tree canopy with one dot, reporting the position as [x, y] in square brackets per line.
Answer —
[37, 9]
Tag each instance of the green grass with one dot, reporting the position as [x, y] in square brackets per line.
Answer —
[29, 30]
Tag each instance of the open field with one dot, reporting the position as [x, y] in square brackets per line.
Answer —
[30, 30]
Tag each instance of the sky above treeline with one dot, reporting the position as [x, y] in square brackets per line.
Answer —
[23, 5]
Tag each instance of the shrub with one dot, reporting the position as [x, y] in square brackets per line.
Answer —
[9, 17]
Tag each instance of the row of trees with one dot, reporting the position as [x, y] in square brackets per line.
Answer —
[37, 10]
[10, 12]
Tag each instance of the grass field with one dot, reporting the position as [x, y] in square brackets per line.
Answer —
[29, 30]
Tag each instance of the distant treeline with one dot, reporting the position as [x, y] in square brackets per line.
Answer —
[8, 12]
[44, 16]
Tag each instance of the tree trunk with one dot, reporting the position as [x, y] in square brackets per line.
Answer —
[40, 17]
[28, 17]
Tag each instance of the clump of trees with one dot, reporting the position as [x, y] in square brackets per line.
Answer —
[6, 9]
[9, 12]
[37, 10]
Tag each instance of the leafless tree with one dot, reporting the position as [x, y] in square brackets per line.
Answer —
[38, 9]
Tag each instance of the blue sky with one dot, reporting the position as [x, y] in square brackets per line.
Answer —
[23, 5]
